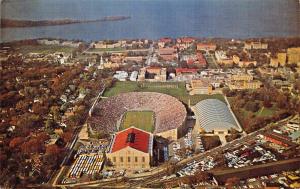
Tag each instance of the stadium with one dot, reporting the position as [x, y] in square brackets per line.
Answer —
[158, 113]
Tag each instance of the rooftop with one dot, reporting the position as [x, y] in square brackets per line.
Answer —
[131, 137]
[213, 114]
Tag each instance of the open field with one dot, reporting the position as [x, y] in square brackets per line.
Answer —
[264, 112]
[140, 119]
[44, 49]
[175, 89]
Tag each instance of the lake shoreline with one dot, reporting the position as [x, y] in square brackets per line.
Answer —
[13, 23]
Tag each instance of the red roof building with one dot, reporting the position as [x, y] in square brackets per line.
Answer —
[206, 47]
[166, 51]
[279, 139]
[165, 40]
[186, 40]
[131, 149]
[133, 138]
[180, 71]
[201, 59]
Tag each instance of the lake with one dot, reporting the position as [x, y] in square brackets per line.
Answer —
[154, 19]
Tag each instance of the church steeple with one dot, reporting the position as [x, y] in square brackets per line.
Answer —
[101, 65]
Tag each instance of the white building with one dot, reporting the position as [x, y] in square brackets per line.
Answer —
[220, 55]
[121, 75]
[133, 76]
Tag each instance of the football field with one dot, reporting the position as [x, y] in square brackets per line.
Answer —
[140, 119]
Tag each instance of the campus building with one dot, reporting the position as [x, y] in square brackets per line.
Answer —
[206, 47]
[280, 60]
[242, 85]
[213, 116]
[293, 55]
[241, 77]
[131, 149]
[199, 86]
[255, 45]
[152, 74]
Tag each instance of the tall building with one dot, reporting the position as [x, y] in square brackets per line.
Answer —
[281, 58]
[131, 149]
[293, 55]
[274, 62]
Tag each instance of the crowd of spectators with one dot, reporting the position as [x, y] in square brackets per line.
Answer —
[169, 112]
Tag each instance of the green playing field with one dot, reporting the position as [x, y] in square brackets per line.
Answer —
[140, 119]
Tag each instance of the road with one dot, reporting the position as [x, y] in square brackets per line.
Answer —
[150, 56]
[211, 61]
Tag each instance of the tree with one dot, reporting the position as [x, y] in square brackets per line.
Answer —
[42, 137]
[297, 85]
[52, 150]
[67, 136]
[226, 91]
[170, 169]
[32, 146]
[39, 108]
[233, 181]
[97, 176]
[15, 142]
[29, 121]
[252, 106]
[3, 160]
[22, 105]
[54, 110]
[282, 101]
[298, 109]
[199, 177]
[49, 124]
[267, 103]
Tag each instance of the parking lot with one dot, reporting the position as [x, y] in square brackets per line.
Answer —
[248, 155]
[88, 161]
[204, 165]
[182, 148]
[86, 164]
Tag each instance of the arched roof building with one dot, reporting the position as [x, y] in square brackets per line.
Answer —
[213, 115]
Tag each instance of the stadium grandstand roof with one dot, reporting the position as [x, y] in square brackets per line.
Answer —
[213, 114]
[134, 138]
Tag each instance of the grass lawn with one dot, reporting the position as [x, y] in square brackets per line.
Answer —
[44, 49]
[140, 119]
[265, 112]
[176, 89]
